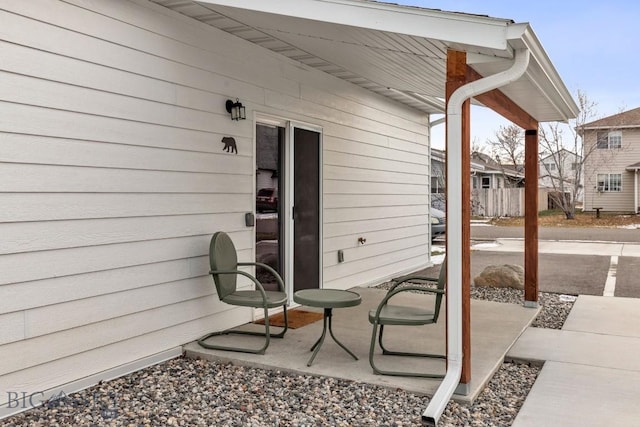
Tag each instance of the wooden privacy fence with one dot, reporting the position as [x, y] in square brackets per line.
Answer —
[497, 202]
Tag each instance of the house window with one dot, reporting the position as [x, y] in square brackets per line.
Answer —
[486, 182]
[609, 182]
[609, 140]
[574, 166]
[436, 186]
[550, 166]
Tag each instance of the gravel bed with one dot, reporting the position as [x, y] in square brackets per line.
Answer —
[554, 307]
[187, 392]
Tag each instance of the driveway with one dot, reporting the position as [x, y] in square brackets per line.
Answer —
[565, 274]
[584, 269]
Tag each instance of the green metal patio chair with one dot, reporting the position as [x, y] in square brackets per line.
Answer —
[401, 315]
[224, 269]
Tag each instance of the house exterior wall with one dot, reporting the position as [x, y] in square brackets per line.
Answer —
[611, 161]
[550, 171]
[113, 179]
[438, 184]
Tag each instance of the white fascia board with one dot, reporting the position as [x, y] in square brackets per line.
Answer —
[542, 73]
[605, 127]
[451, 28]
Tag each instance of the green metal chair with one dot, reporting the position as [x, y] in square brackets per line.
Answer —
[400, 315]
[224, 269]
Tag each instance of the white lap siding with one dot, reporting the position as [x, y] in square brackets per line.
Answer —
[113, 179]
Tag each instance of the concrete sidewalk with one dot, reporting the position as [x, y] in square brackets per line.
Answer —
[575, 247]
[591, 373]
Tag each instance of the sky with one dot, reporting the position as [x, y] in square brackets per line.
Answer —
[593, 45]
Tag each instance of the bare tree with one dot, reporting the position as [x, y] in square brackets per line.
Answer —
[507, 150]
[563, 158]
[563, 154]
[561, 167]
[477, 146]
[508, 146]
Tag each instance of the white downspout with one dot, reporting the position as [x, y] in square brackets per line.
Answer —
[439, 401]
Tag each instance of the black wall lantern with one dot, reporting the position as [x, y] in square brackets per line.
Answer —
[236, 109]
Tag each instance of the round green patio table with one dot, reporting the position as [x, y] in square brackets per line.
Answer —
[328, 299]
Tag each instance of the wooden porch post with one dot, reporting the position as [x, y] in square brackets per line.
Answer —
[531, 217]
[456, 77]
[501, 104]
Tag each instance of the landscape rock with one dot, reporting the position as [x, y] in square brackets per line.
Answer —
[501, 276]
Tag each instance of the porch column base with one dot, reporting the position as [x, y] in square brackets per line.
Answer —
[462, 389]
[531, 304]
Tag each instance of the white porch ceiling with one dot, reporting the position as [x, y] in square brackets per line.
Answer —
[396, 51]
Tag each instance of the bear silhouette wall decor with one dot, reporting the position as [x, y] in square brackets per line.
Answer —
[229, 145]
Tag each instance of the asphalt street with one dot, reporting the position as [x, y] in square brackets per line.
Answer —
[585, 273]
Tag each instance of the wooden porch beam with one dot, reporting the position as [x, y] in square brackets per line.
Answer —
[503, 105]
[456, 77]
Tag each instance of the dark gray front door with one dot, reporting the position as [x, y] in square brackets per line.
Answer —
[306, 209]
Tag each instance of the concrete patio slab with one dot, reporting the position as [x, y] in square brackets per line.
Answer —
[495, 327]
[573, 395]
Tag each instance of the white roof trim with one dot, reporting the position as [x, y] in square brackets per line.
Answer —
[610, 127]
[457, 28]
[396, 51]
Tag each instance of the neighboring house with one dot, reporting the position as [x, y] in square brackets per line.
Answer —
[611, 168]
[487, 174]
[494, 175]
[438, 178]
[496, 189]
[557, 173]
[119, 161]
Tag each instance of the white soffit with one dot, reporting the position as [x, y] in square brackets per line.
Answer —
[396, 51]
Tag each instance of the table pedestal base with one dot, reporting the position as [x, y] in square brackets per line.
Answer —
[316, 347]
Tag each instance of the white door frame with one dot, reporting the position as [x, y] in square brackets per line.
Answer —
[287, 201]
[289, 207]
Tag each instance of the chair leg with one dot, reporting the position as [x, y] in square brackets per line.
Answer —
[387, 352]
[379, 371]
[266, 334]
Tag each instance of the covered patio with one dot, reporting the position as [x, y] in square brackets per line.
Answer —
[495, 328]
[435, 62]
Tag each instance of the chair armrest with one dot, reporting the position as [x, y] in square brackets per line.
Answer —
[244, 273]
[392, 292]
[269, 269]
[404, 279]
